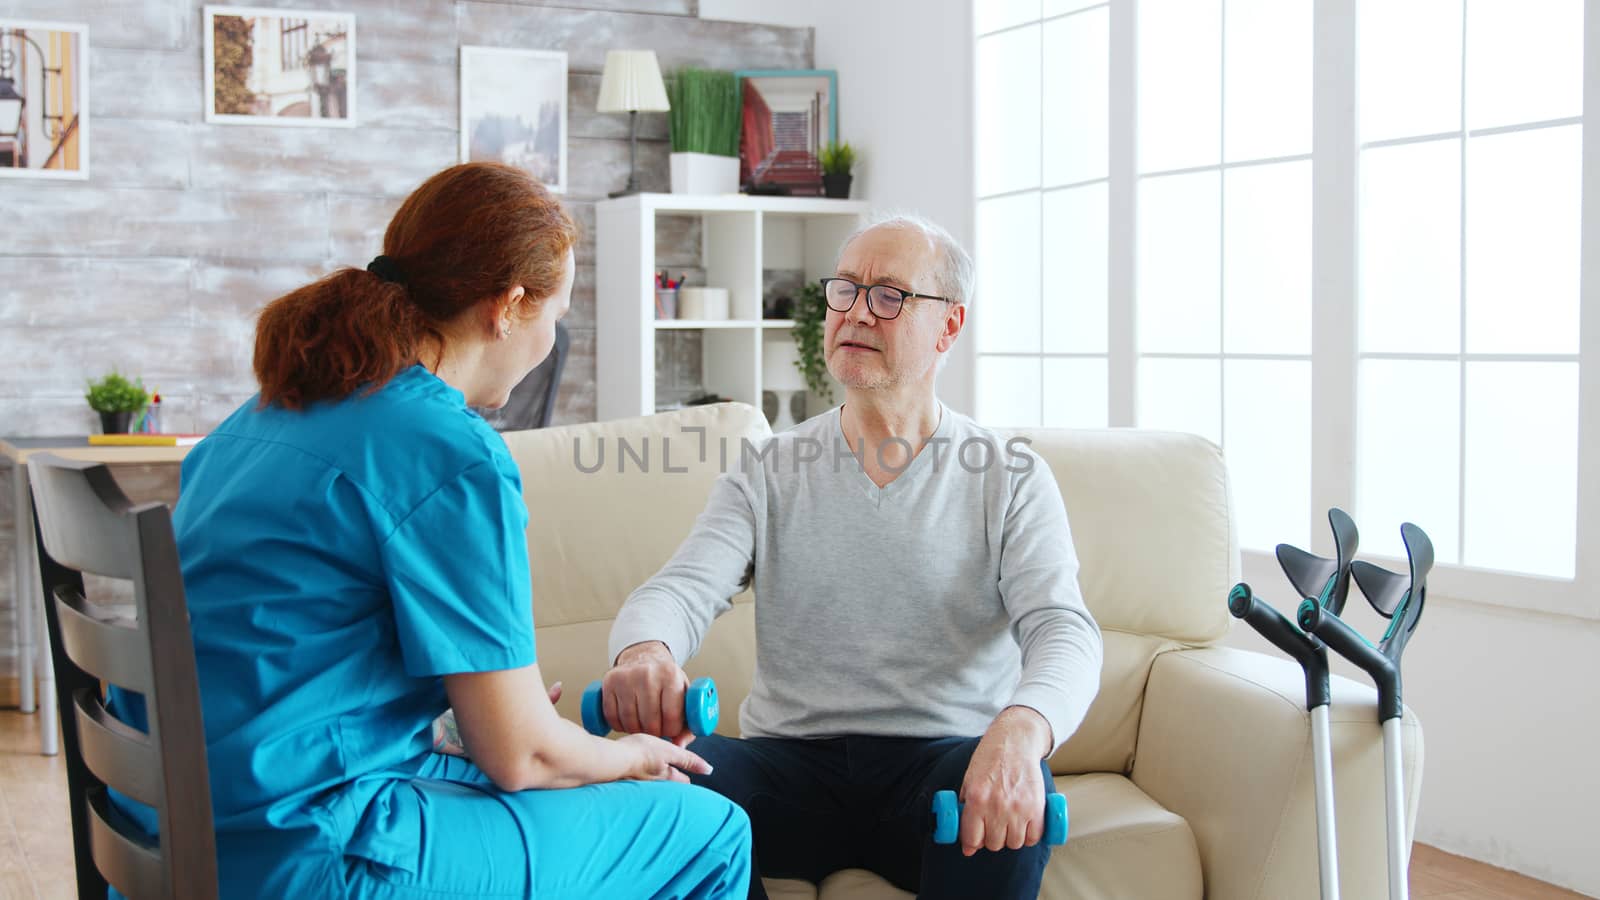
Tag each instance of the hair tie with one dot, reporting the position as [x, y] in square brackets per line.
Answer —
[385, 268]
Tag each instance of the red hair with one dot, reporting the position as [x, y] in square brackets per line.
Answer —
[465, 237]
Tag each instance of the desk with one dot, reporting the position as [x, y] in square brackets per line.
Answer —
[33, 642]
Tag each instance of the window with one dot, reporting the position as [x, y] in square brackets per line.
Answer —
[1471, 179]
[1387, 320]
[1042, 206]
[293, 43]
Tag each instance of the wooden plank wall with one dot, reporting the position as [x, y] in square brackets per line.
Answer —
[158, 264]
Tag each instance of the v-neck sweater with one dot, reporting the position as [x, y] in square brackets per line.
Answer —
[921, 608]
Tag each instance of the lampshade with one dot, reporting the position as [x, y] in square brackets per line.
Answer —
[632, 83]
[778, 371]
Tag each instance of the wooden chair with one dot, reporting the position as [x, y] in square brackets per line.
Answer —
[86, 524]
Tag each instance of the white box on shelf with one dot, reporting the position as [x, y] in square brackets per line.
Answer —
[705, 303]
[704, 173]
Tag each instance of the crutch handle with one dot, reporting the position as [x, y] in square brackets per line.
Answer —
[1349, 643]
[1277, 628]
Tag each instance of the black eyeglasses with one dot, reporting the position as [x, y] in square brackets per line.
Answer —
[883, 301]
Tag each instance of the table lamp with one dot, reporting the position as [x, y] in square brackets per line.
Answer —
[781, 376]
[632, 84]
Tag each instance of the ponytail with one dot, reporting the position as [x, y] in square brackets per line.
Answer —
[466, 236]
[328, 339]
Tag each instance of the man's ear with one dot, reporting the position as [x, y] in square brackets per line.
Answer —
[953, 323]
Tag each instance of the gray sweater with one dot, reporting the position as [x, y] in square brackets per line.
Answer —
[919, 609]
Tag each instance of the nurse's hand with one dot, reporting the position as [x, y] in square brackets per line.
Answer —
[644, 693]
[658, 760]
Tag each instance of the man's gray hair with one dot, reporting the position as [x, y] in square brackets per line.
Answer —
[952, 274]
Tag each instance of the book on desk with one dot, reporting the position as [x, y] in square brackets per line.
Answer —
[144, 440]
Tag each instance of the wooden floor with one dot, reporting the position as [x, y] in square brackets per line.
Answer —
[36, 836]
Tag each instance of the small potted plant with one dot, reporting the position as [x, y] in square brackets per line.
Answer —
[116, 399]
[837, 160]
[810, 312]
[704, 126]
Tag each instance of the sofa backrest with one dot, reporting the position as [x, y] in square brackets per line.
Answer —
[1149, 514]
[594, 536]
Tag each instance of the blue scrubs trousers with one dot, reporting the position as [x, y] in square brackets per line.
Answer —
[623, 839]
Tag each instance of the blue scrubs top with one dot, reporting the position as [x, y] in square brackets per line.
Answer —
[337, 562]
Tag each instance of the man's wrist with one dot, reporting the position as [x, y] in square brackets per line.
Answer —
[643, 648]
[1031, 723]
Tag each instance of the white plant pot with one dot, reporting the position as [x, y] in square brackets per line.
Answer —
[704, 173]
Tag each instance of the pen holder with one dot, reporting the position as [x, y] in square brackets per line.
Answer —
[666, 303]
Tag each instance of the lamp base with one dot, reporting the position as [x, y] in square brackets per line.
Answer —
[785, 417]
[632, 187]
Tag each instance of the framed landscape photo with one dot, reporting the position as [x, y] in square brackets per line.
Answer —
[280, 67]
[44, 100]
[514, 110]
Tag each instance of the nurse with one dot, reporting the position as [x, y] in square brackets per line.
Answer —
[354, 558]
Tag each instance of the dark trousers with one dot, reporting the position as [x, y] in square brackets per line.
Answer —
[818, 806]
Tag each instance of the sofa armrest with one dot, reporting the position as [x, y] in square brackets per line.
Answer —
[1225, 742]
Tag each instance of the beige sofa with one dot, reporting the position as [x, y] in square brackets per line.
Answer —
[1191, 775]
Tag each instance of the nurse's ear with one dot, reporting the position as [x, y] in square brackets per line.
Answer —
[505, 311]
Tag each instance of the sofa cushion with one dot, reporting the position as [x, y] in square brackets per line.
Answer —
[1121, 844]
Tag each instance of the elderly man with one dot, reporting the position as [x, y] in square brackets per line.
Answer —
[918, 621]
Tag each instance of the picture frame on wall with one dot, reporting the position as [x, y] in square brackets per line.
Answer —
[279, 67]
[514, 110]
[44, 100]
[786, 117]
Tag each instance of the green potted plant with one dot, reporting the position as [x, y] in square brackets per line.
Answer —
[704, 126]
[810, 312]
[837, 160]
[116, 399]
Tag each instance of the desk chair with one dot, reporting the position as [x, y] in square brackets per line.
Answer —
[86, 524]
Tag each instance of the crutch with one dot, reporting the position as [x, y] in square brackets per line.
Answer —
[1324, 583]
[1398, 598]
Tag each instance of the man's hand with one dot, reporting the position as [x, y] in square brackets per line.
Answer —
[644, 693]
[1004, 789]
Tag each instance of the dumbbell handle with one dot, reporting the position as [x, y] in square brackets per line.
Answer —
[947, 818]
[701, 710]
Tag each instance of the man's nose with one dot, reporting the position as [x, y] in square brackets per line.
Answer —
[860, 312]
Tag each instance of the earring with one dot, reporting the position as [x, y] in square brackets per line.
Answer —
[505, 330]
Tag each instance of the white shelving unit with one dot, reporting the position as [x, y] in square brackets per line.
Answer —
[741, 237]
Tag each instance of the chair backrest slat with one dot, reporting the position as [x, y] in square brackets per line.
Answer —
[129, 863]
[112, 652]
[86, 524]
[121, 757]
[86, 530]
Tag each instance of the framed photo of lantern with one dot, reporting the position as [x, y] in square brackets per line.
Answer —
[279, 67]
[44, 100]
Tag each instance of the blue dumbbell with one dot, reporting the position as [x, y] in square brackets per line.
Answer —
[947, 818]
[700, 709]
